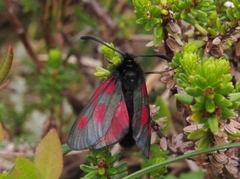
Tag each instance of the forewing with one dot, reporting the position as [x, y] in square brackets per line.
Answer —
[95, 119]
[118, 127]
[141, 119]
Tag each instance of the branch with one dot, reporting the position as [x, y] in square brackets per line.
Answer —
[20, 31]
[99, 10]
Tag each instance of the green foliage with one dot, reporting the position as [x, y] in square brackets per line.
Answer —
[179, 158]
[209, 90]
[84, 17]
[48, 161]
[111, 55]
[1, 132]
[112, 58]
[208, 16]
[30, 5]
[151, 15]
[102, 165]
[195, 13]
[157, 156]
[125, 25]
[13, 119]
[212, 97]
[206, 13]
[54, 78]
[193, 174]
[6, 63]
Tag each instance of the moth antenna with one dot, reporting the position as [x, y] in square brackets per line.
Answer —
[160, 72]
[90, 37]
[155, 55]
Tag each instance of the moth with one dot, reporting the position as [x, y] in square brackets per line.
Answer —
[118, 111]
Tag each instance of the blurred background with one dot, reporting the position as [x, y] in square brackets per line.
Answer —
[51, 78]
[52, 75]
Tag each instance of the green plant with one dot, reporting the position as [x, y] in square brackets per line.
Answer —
[151, 14]
[102, 165]
[204, 77]
[209, 91]
[203, 85]
[48, 161]
[5, 65]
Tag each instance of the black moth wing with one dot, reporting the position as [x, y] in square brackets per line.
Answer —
[141, 119]
[94, 121]
[135, 94]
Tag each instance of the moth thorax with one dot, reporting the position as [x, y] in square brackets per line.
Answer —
[129, 79]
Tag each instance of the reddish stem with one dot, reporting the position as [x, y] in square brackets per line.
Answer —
[20, 31]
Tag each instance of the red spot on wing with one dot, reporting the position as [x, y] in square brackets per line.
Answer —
[102, 87]
[94, 103]
[110, 88]
[145, 116]
[144, 89]
[119, 123]
[99, 113]
[82, 122]
[121, 114]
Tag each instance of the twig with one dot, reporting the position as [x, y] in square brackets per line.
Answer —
[99, 10]
[4, 84]
[20, 31]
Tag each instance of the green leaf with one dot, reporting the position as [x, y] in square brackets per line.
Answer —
[146, 170]
[170, 177]
[1, 132]
[193, 174]
[234, 96]
[158, 31]
[48, 158]
[226, 89]
[141, 20]
[221, 101]
[227, 113]
[210, 106]
[101, 171]
[26, 168]
[204, 142]
[235, 136]
[200, 104]
[184, 98]
[197, 116]
[3, 175]
[196, 135]
[87, 168]
[213, 124]
[6, 63]
[121, 167]
[201, 29]
[157, 41]
[91, 159]
[101, 72]
[13, 175]
[54, 58]
[91, 175]
[65, 149]
[188, 17]
[196, 91]
[111, 171]
[155, 11]
[110, 161]
[148, 26]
